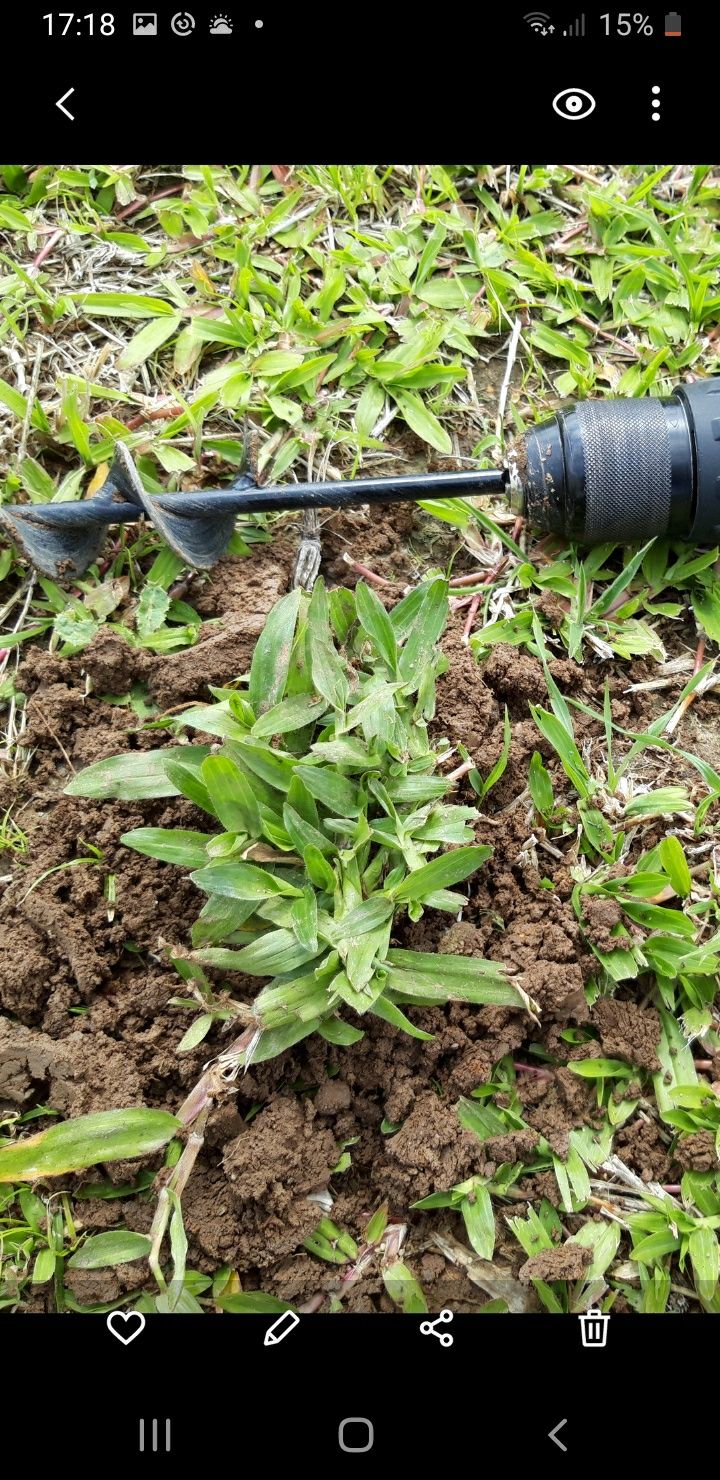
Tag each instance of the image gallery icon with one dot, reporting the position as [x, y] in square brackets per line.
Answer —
[145, 23]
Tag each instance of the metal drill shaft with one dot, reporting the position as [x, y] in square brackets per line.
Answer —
[62, 540]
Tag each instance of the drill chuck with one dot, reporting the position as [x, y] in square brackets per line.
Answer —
[625, 470]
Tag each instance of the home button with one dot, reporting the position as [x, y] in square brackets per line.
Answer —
[356, 1435]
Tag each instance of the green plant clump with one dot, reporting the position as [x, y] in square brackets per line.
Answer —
[330, 821]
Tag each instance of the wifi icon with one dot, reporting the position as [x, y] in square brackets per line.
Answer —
[539, 22]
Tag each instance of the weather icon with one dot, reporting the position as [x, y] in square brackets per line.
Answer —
[221, 25]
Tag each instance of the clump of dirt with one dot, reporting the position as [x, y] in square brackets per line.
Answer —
[60, 944]
[600, 915]
[568, 1262]
[696, 1152]
[555, 1105]
[467, 710]
[554, 608]
[431, 1151]
[628, 1031]
[515, 677]
[247, 586]
[379, 537]
[272, 1167]
[641, 1145]
[100, 1286]
[543, 942]
[83, 1072]
[462, 939]
[112, 665]
[333, 1097]
[515, 1146]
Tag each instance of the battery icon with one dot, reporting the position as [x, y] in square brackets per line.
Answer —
[673, 23]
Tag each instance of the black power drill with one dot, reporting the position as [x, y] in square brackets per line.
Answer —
[616, 470]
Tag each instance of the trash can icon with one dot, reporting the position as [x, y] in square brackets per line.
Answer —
[594, 1327]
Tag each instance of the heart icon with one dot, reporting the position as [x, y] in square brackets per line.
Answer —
[133, 1322]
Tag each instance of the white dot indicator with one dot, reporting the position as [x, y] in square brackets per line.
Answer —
[258, 25]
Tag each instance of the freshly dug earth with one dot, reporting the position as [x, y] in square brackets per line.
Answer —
[85, 993]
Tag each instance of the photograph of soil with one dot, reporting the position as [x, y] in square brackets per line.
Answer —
[307, 1148]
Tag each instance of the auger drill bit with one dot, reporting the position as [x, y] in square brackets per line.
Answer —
[62, 540]
[617, 470]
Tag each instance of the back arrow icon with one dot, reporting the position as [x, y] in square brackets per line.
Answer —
[554, 1435]
[60, 101]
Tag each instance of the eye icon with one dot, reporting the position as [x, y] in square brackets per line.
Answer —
[573, 103]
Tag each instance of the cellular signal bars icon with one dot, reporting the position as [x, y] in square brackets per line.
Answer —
[576, 27]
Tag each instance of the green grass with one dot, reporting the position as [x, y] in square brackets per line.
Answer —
[330, 823]
[329, 311]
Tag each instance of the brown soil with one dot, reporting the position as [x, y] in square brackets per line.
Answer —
[641, 1145]
[87, 1023]
[600, 915]
[566, 1263]
[696, 1153]
[628, 1031]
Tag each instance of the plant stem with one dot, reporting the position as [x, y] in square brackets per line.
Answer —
[530, 1069]
[365, 572]
[176, 1183]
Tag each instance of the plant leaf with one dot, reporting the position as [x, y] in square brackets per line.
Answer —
[330, 789]
[450, 868]
[152, 608]
[110, 1135]
[675, 864]
[390, 1013]
[404, 1290]
[137, 776]
[254, 1303]
[571, 760]
[376, 623]
[277, 951]
[232, 796]
[609, 593]
[103, 1250]
[423, 977]
[239, 880]
[424, 633]
[271, 658]
[290, 714]
[705, 1259]
[171, 844]
[328, 674]
[477, 1212]
[422, 421]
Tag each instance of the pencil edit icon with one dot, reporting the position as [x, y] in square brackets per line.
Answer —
[281, 1328]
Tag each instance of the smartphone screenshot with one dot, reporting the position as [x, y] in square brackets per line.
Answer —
[359, 759]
